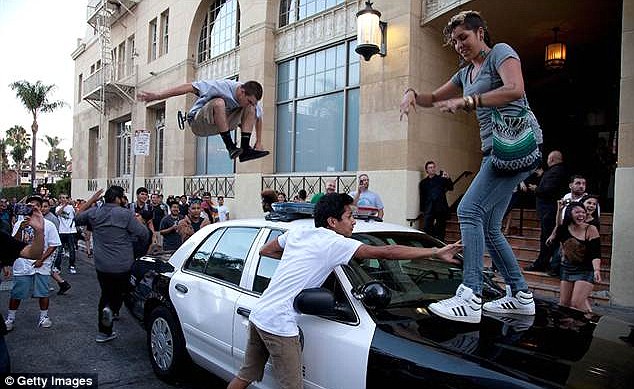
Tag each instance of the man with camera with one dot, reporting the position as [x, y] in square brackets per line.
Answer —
[12, 249]
[31, 277]
[433, 200]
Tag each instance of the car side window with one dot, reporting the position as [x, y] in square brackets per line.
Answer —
[266, 266]
[198, 261]
[227, 259]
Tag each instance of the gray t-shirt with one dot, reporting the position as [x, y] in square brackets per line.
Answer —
[487, 80]
[114, 229]
[211, 89]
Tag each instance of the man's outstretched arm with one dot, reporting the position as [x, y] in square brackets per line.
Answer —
[171, 92]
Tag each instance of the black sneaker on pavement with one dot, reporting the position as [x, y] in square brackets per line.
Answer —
[63, 287]
[250, 154]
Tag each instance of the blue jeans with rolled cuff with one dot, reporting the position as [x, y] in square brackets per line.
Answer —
[480, 214]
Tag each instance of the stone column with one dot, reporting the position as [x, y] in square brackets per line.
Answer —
[622, 263]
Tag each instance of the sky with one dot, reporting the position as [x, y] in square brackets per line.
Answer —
[37, 38]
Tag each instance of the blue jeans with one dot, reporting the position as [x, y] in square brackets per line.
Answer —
[480, 214]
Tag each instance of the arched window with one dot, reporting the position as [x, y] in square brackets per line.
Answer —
[294, 10]
[220, 30]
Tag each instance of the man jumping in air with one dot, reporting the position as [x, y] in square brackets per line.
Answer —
[222, 105]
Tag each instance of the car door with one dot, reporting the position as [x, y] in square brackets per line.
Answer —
[335, 351]
[205, 292]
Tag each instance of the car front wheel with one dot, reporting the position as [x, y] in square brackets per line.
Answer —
[166, 344]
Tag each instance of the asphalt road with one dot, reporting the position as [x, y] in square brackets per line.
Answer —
[69, 345]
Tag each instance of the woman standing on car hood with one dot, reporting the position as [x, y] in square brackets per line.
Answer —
[491, 80]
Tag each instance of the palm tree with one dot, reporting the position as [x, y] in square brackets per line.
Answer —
[52, 142]
[18, 139]
[35, 98]
[4, 158]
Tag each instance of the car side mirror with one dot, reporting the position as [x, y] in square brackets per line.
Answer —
[315, 301]
[373, 294]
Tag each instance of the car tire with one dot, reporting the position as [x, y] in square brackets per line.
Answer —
[166, 345]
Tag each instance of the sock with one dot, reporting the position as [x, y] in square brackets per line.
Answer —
[11, 314]
[226, 137]
[43, 313]
[245, 138]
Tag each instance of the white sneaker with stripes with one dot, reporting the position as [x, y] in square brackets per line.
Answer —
[464, 306]
[520, 304]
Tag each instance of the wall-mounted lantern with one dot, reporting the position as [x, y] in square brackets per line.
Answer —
[371, 33]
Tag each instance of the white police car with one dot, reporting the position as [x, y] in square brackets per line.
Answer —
[367, 326]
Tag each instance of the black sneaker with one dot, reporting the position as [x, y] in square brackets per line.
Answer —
[250, 154]
[234, 153]
[533, 267]
[63, 287]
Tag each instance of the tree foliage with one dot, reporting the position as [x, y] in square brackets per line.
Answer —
[18, 139]
[35, 98]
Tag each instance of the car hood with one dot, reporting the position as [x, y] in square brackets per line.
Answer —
[556, 347]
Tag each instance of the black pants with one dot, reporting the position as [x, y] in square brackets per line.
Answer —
[68, 241]
[114, 286]
[435, 223]
[547, 213]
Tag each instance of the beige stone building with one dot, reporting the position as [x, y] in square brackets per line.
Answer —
[329, 113]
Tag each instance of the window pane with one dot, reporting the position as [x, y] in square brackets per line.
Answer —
[201, 155]
[266, 267]
[352, 131]
[319, 134]
[284, 138]
[227, 261]
[353, 69]
[198, 261]
[218, 161]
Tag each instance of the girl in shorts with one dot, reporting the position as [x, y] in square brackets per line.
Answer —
[581, 262]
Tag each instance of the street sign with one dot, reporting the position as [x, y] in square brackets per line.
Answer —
[142, 142]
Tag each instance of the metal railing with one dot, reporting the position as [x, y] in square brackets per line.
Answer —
[291, 185]
[216, 185]
[93, 185]
[120, 181]
[154, 185]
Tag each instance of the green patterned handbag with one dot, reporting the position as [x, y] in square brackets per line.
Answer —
[514, 144]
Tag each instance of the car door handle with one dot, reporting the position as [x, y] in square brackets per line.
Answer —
[181, 288]
[243, 312]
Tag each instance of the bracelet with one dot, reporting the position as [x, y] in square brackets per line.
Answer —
[411, 90]
[434, 251]
[478, 100]
[469, 104]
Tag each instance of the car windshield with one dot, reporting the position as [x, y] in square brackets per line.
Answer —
[409, 281]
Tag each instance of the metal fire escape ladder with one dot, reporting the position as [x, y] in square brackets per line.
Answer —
[107, 12]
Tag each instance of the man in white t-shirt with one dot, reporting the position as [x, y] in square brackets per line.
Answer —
[223, 211]
[308, 256]
[66, 215]
[31, 277]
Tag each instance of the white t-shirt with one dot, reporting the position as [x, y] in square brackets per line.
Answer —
[24, 266]
[223, 212]
[310, 255]
[66, 219]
